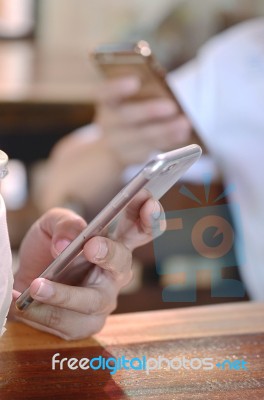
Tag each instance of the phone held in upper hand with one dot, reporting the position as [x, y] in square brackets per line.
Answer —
[157, 177]
[121, 60]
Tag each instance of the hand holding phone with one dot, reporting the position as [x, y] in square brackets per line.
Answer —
[136, 110]
[135, 59]
[156, 178]
[73, 312]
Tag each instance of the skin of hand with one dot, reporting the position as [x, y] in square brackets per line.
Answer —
[71, 170]
[70, 312]
[133, 129]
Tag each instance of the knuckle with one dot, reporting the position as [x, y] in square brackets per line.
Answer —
[94, 302]
[52, 212]
[71, 219]
[52, 317]
[148, 228]
[118, 260]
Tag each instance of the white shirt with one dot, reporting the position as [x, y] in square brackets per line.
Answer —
[222, 92]
[6, 276]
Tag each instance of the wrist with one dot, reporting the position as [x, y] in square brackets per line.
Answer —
[113, 156]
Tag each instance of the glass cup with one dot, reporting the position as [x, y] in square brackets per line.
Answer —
[3, 166]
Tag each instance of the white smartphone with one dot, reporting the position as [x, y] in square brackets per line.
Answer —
[157, 177]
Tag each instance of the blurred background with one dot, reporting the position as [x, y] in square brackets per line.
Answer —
[45, 93]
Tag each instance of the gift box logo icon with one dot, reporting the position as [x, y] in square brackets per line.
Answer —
[208, 236]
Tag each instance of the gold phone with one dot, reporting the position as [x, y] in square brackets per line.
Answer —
[120, 60]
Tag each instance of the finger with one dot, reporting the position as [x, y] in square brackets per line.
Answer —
[140, 112]
[114, 90]
[143, 140]
[44, 241]
[166, 135]
[128, 114]
[111, 256]
[129, 219]
[62, 226]
[132, 211]
[68, 325]
[86, 300]
[127, 146]
[152, 220]
[146, 223]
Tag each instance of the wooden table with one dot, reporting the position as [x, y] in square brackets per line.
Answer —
[43, 96]
[231, 331]
[31, 74]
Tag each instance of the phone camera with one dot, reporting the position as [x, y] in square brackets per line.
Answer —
[168, 168]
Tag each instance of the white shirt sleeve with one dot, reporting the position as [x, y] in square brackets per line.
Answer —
[6, 275]
[222, 92]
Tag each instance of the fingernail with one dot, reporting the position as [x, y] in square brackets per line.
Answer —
[42, 289]
[61, 245]
[102, 250]
[15, 294]
[156, 212]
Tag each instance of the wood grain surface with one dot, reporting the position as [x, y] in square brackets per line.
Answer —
[230, 331]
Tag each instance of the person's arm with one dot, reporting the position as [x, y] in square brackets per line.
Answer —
[78, 170]
[88, 167]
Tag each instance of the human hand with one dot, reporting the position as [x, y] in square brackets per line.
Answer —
[134, 129]
[77, 312]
